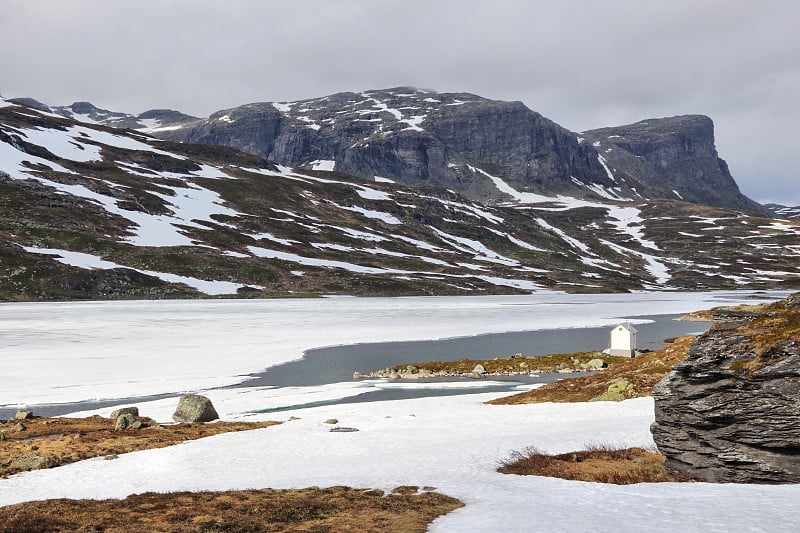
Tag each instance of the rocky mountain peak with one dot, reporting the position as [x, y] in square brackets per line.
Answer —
[489, 150]
[412, 136]
[671, 158]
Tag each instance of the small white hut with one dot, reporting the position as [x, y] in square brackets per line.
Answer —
[622, 340]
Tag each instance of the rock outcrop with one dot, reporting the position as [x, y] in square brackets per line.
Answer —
[730, 411]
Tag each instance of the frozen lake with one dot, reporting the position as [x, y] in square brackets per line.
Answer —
[54, 353]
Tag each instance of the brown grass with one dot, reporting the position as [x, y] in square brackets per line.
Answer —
[308, 510]
[67, 440]
[640, 373]
[600, 464]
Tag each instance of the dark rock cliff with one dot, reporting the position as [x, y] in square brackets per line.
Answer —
[412, 137]
[672, 158]
[731, 411]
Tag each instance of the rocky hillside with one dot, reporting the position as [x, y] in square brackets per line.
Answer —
[413, 137]
[462, 142]
[88, 211]
[671, 158]
[730, 411]
[150, 121]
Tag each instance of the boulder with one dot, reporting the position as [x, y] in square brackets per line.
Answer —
[30, 462]
[194, 408]
[24, 415]
[125, 421]
[479, 369]
[124, 411]
[331, 421]
[618, 390]
[343, 430]
[596, 364]
[730, 411]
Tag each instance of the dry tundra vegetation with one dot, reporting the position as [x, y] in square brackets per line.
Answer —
[597, 463]
[308, 510]
[50, 442]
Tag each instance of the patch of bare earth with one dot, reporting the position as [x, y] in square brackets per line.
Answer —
[631, 378]
[307, 510]
[599, 464]
[48, 442]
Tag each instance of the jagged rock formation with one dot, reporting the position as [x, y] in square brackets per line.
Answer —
[730, 411]
[671, 157]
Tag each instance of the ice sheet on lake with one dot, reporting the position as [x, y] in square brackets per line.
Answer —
[91, 350]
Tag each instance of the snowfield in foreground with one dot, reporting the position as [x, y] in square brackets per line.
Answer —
[451, 443]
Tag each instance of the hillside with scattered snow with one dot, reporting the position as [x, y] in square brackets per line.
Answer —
[90, 211]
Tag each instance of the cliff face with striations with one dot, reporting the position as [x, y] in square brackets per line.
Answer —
[413, 137]
[731, 411]
[672, 157]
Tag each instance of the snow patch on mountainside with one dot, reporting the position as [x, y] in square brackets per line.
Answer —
[92, 262]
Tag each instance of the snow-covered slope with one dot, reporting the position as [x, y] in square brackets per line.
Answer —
[154, 120]
[94, 212]
[783, 211]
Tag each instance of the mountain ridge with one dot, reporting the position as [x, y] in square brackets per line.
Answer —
[89, 211]
[458, 141]
[453, 140]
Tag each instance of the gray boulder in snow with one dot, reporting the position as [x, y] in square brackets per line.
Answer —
[194, 408]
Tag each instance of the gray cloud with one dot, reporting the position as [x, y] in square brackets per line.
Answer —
[582, 63]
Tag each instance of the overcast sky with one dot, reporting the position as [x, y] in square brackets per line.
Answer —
[582, 63]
